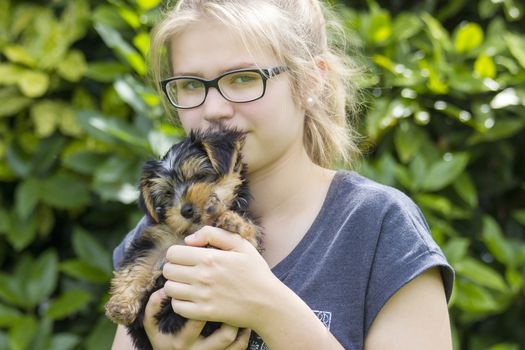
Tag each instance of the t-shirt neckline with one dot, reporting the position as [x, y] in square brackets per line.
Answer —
[282, 267]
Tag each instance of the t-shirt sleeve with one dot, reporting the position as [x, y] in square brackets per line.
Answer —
[404, 250]
[120, 250]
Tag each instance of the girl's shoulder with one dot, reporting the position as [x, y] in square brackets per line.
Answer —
[352, 190]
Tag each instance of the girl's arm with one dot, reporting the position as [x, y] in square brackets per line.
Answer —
[416, 317]
[122, 341]
[233, 284]
[188, 338]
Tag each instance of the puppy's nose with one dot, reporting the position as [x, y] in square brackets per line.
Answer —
[187, 211]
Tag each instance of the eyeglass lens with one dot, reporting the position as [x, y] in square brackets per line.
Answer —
[236, 87]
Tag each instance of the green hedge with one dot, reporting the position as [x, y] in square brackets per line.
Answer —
[443, 120]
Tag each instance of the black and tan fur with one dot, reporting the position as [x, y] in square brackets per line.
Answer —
[200, 181]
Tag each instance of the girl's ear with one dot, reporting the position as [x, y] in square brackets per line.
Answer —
[316, 83]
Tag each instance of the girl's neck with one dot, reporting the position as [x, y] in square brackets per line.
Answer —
[284, 187]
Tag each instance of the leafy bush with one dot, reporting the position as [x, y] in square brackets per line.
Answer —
[444, 120]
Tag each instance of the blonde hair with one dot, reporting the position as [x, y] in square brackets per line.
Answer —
[296, 32]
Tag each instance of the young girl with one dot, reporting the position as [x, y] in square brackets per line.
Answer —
[347, 263]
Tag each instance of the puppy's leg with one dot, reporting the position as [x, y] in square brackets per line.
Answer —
[218, 215]
[130, 284]
[128, 288]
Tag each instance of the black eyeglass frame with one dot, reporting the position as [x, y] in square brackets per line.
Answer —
[264, 73]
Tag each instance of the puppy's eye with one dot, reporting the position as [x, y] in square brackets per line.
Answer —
[200, 177]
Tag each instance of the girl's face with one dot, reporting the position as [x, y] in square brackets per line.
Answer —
[274, 123]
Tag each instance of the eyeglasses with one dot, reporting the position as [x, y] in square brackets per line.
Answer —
[242, 85]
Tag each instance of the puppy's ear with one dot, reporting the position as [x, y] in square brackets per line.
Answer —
[224, 150]
[147, 199]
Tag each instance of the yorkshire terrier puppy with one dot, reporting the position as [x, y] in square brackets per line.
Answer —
[200, 181]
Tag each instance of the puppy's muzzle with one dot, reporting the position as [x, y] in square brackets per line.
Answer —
[187, 211]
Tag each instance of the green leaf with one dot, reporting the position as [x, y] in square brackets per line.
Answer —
[46, 154]
[73, 66]
[102, 335]
[65, 191]
[516, 45]
[19, 54]
[496, 243]
[408, 139]
[68, 303]
[27, 196]
[64, 341]
[12, 102]
[106, 71]
[131, 91]
[444, 172]
[22, 332]
[474, 299]
[380, 25]
[514, 279]
[130, 16]
[466, 189]
[406, 25]
[21, 231]
[89, 250]
[10, 73]
[519, 215]
[481, 274]
[43, 277]
[114, 40]
[111, 130]
[10, 290]
[485, 67]
[500, 130]
[142, 42]
[441, 205]
[456, 249]
[437, 32]
[33, 83]
[146, 5]
[8, 315]
[84, 162]
[75, 20]
[85, 271]
[468, 37]
[42, 336]
[505, 346]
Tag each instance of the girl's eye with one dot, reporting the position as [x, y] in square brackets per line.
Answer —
[190, 85]
[243, 78]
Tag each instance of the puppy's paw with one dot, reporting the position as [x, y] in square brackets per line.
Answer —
[212, 209]
[231, 221]
[122, 311]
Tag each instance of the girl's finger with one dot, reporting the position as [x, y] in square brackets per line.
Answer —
[222, 338]
[191, 329]
[178, 273]
[187, 309]
[183, 255]
[242, 341]
[216, 237]
[179, 291]
[153, 307]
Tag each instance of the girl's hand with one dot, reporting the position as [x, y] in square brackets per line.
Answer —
[225, 338]
[232, 284]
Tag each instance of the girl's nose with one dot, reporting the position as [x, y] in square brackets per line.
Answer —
[216, 107]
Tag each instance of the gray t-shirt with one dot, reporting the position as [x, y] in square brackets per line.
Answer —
[367, 241]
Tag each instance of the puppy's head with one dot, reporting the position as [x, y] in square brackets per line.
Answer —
[174, 190]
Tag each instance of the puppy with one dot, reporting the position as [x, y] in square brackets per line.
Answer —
[200, 181]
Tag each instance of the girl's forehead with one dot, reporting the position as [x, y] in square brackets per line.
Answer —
[209, 47]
